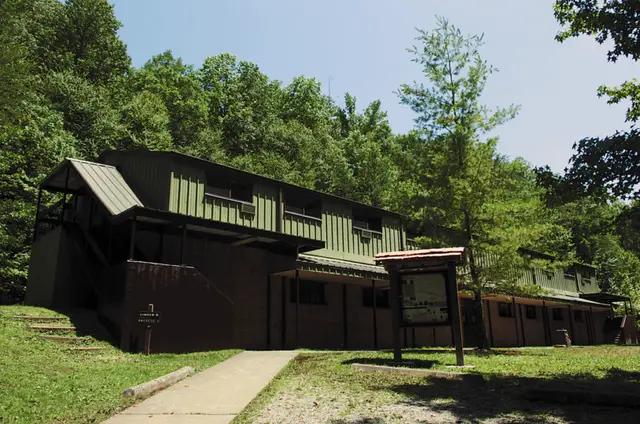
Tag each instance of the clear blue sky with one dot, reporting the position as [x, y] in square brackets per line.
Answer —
[361, 46]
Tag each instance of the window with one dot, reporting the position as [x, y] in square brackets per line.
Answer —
[570, 273]
[578, 316]
[557, 314]
[221, 187]
[371, 224]
[311, 292]
[588, 276]
[382, 298]
[505, 310]
[302, 207]
[531, 311]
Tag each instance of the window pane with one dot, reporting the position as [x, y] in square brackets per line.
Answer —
[241, 192]
[311, 292]
[360, 223]
[531, 312]
[557, 314]
[505, 310]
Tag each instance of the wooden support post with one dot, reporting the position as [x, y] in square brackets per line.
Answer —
[490, 323]
[375, 318]
[110, 241]
[593, 327]
[524, 339]
[64, 196]
[545, 323]
[297, 308]
[35, 223]
[404, 331]
[284, 313]
[132, 239]
[413, 337]
[571, 325]
[394, 299]
[268, 312]
[454, 310]
[345, 325]
[515, 320]
[183, 245]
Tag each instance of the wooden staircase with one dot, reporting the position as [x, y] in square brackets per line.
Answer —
[59, 330]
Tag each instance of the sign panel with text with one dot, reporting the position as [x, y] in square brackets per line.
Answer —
[424, 299]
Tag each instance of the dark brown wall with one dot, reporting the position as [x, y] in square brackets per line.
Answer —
[194, 316]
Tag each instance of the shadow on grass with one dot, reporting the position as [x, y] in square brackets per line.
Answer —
[508, 395]
[475, 352]
[364, 420]
[411, 363]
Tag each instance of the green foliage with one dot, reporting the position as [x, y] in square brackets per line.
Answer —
[467, 187]
[610, 162]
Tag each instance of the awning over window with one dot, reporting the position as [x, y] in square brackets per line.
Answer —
[605, 297]
[577, 300]
[104, 181]
[336, 266]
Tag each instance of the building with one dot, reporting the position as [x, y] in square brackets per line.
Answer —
[232, 259]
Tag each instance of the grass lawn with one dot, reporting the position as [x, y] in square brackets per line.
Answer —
[44, 382]
[324, 388]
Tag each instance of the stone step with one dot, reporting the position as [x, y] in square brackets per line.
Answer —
[37, 318]
[87, 349]
[66, 339]
[51, 328]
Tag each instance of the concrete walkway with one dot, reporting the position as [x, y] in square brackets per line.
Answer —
[214, 396]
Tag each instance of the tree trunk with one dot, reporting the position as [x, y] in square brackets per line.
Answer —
[483, 343]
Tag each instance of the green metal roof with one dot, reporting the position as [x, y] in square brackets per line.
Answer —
[104, 181]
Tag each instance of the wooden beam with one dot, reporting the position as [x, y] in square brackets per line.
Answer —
[454, 311]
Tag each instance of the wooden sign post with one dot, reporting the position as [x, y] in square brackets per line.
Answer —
[148, 317]
[424, 293]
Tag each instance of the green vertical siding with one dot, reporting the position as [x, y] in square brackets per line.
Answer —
[148, 177]
[301, 226]
[187, 196]
[555, 280]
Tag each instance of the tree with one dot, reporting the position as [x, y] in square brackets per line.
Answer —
[177, 85]
[611, 162]
[467, 187]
